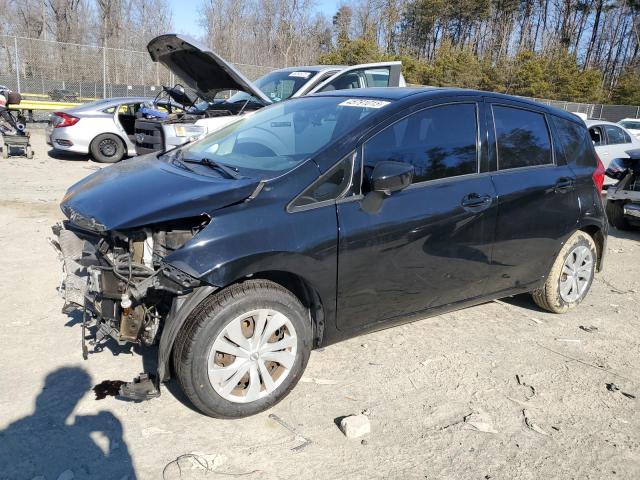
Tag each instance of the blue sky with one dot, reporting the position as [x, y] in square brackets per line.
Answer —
[185, 14]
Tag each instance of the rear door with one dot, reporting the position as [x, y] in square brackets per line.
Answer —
[430, 244]
[537, 201]
[383, 74]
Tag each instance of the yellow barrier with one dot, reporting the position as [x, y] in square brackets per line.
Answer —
[35, 105]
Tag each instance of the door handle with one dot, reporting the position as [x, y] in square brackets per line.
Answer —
[564, 185]
[474, 201]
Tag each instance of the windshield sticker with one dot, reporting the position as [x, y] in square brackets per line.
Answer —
[300, 74]
[363, 103]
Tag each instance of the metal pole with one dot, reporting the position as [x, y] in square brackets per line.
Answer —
[638, 112]
[15, 45]
[104, 71]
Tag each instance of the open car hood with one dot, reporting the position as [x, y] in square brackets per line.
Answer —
[201, 69]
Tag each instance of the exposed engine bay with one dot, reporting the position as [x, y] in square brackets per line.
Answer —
[119, 279]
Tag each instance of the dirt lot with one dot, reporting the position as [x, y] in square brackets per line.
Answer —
[500, 391]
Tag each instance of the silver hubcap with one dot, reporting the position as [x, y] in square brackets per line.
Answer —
[576, 274]
[252, 355]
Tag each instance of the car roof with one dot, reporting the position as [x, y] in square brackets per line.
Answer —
[629, 120]
[311, 68]
[129, 99]
[423, 93]
[592, 122]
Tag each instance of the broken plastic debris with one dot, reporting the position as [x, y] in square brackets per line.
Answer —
[589, 329]
[480, 422]
[533, 426]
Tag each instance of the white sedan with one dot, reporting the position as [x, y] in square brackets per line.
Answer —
[632, 125]
[611, 141]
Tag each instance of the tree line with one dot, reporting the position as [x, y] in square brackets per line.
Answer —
[575, 50]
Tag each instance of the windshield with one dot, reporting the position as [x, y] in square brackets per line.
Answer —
[277, 138]
[277, 85]
[633, 125]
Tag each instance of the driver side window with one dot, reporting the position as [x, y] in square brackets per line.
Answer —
[439, 142]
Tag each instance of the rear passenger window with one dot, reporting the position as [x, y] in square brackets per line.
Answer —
[439, 142]
[616, 136]
[522, 138]
[575, 142]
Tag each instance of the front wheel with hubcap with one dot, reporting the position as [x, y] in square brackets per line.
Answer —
[243, 349]
[571, 275]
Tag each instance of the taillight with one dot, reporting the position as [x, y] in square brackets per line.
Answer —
[64, 120]
[598, 174]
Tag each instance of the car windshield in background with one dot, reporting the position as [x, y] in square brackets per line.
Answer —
[277, 86]
[276, 139]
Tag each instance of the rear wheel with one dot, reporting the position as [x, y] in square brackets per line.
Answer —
[107, 148]
[243, 349]
[615, 215]
[571, 275]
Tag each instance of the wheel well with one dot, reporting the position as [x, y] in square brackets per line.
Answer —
[598, 237]
[307, 295]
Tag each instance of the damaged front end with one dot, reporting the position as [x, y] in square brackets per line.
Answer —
[121, 283]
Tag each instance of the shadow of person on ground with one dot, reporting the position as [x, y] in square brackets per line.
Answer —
[52, 440]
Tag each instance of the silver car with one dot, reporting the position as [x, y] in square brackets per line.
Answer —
[104, 128]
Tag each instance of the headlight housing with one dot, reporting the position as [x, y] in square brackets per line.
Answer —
[82, 221]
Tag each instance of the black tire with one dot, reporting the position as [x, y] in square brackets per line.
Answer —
[548, 297]
[107, 148]
[195, 340]
[615, 215]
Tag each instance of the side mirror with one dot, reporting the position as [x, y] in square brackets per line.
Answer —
[390, 176]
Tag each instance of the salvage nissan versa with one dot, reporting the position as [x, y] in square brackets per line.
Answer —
[320, 218]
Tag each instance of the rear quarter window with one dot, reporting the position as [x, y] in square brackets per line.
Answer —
[575, 143]
[522, 138]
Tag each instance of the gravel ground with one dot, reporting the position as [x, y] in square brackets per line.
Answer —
[500, 391]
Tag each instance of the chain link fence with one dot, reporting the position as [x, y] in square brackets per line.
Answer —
[39, 69]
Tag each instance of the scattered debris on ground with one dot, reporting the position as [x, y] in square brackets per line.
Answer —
[588, 329]
[480, 421]
[354, 426]
[318, 381]
[612, 387]
[531, 424]
[106, 388]
[299, 436]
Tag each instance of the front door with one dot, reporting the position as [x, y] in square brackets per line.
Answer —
[430, 244]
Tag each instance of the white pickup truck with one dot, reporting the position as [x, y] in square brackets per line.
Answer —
[207, 74]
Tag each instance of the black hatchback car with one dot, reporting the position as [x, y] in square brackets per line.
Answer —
[321, 218]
